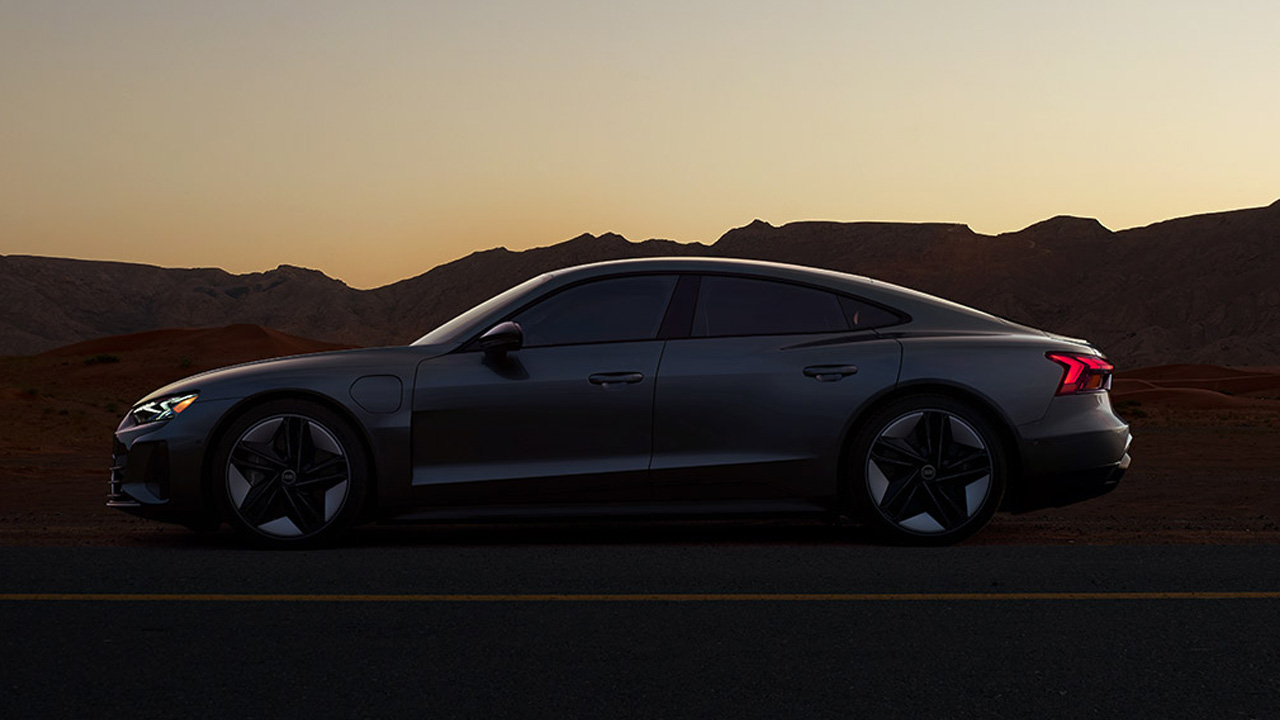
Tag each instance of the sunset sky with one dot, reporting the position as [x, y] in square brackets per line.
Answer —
[374, 140]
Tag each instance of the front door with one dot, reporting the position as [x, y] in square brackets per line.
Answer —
[568, 419]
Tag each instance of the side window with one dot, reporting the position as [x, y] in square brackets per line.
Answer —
[616, 309]
[744, 306]
[862, 316]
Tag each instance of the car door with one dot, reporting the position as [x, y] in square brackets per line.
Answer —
[566, 419]
[754, 403]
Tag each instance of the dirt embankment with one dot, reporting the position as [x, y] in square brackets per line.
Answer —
[1206, 464]
[1206, 454]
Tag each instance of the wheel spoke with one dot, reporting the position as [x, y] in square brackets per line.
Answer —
[257, 503]
[953, 462]
[964, 477]
[306, 445]
[911, 502]
[319, 467]
[250, 463]
[296, 429]
[322, 482]
[899, 445]
[924, 436]
[942, 437]
[945, 509]
[899, 496]
[281, 443]
[303, 513]
[257, 456]
[884, 453]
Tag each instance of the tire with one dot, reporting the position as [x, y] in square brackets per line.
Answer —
[290, 474]
[927, 470]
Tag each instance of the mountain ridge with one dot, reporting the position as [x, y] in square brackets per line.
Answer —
[1201, 288]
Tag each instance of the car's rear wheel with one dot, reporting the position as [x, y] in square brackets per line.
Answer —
[928, 470]
[291, 474]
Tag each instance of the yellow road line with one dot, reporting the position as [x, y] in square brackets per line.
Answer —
[634, 597]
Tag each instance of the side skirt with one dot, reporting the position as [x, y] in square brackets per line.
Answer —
[630, 510]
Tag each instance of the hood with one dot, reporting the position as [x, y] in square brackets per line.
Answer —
[298, 372]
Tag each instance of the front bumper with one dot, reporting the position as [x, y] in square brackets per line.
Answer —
[157, 469]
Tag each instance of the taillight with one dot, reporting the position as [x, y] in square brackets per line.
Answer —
[1081, 372]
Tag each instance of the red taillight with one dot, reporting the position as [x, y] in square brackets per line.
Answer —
[1081, 372]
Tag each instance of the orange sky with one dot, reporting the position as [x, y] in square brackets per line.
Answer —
[374, 140]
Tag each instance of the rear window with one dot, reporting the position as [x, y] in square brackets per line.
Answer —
[729, 306]
[746, 306]
[864, 316]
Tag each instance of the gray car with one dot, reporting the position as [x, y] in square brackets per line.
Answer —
[653, 387]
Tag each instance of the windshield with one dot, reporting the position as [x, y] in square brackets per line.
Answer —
[451, 331]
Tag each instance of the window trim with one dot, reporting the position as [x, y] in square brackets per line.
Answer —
[679, 314]
[678, 322]
[902, 317]
[473, 344]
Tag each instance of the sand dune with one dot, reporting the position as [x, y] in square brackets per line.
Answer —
[1188, 372]
[1174, 389]
[74, 395]
[1199, 387]
[243, 341]
[1195, 399]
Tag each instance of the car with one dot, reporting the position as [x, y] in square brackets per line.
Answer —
[644, 388]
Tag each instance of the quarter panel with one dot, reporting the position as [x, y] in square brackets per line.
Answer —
[1010, 371]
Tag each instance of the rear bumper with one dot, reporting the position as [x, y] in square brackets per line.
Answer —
[1044, 491]
[1079, 451]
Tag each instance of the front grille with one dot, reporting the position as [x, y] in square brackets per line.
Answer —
[146, 464]
[115, 484]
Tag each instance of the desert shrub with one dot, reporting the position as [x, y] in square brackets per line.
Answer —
[101, 359]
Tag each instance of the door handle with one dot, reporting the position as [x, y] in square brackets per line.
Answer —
[829, 373]
[616, 378]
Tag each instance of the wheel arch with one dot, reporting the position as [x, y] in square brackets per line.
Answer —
[248, 403]
[978, 401]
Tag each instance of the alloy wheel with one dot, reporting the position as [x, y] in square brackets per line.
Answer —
[929, 472]
[288, 476]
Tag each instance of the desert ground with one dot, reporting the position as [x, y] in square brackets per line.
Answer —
[1206, 454]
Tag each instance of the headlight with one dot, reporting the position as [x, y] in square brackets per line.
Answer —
[162, 409]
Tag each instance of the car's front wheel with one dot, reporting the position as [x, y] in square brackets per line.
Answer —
[290, 473]
[928, 470]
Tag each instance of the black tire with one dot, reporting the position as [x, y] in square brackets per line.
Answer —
[927, 470]
[290, 474]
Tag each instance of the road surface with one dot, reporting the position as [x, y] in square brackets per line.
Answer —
[659, 626]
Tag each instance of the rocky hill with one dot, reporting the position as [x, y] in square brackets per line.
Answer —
[1204, 288]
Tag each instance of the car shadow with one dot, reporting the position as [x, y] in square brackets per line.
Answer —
[530, 533]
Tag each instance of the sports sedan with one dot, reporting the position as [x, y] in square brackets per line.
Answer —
[654, 387]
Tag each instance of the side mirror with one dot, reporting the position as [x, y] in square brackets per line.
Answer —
[501, 339]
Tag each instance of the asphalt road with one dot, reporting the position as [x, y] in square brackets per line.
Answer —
[657, 628]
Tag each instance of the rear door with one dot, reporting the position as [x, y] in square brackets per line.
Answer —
[754, 403]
